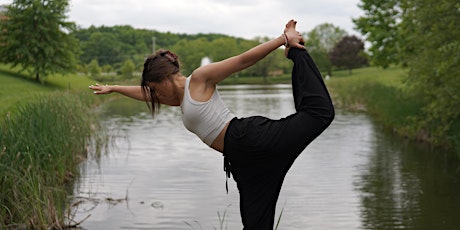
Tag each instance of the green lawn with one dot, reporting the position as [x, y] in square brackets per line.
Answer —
[17, 88]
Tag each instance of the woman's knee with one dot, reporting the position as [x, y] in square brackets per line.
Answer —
[330, 114]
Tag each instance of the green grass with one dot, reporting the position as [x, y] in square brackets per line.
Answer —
[16, 89]
[380, 92]
[45, 130]
[383, 94]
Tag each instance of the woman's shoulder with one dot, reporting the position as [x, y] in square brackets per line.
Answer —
[200, 89]
[198, 74]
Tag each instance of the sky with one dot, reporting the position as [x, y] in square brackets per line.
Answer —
[239, 18]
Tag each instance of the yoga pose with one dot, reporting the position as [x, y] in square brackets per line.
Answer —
[257, 151]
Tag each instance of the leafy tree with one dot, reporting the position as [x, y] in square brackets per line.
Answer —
[94, 69]
[262, 67]
[325, 36]
[380, 26]
[107, 69]
[36, 37]
[103, 47]
[128, 68]
[424, 34]
[216, 46]
[432, 29]
[320, 41]
[348, 53]
[190, 53]
[113, 45]
[321, 60]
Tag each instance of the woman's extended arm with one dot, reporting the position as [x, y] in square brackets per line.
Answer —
[134, 92]
[216, 72]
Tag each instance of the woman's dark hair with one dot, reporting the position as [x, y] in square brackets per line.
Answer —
[158, 67]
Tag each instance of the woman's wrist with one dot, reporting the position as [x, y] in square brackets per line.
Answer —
[113, 88]
[286, 39]
[280, 40]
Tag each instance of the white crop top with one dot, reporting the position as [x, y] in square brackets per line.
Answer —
[205, 119]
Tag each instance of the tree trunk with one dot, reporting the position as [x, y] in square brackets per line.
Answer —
[37, 77]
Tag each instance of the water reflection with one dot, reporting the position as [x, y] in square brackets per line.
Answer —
[409, 186]
[354, 176]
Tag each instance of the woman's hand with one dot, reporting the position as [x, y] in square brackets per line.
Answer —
[101, 89]
[294, 37]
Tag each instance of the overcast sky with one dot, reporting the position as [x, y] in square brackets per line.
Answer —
[239, 18]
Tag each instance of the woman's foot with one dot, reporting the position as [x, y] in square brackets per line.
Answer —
[289, 26]
[291, 30]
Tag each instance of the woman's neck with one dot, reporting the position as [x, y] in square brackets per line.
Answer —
[179, 86]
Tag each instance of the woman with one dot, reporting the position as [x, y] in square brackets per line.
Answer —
[257, 151]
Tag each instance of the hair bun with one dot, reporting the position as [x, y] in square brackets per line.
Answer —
[172, 57]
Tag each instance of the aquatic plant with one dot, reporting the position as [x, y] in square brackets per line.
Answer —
[41, 143]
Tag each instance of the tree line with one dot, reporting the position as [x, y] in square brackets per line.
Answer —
[37, 38]
[121, 46]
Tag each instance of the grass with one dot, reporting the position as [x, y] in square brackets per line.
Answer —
[15, 88]
[45, 130]
[383, 94]
[380, 93]
[222, 220]
[40, 148]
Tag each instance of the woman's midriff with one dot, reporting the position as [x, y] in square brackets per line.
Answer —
[218, 143]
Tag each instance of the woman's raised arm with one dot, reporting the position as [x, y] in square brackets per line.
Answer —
[216, 72]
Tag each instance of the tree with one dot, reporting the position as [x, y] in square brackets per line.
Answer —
[94, 69]
[348, 53]
[218, 45]
[422, 34]
[36, 37]
[432, 28]
[320, 41]
[103, 47]
[325, 36]
[128, 68]
[263, 66]
[380, 26]
[190, 53]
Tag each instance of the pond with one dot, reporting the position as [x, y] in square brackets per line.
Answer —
[157, 175]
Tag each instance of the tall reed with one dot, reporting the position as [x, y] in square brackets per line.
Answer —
[41, 143]
[381, 94]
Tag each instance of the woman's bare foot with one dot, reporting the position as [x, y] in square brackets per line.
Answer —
[289, 26]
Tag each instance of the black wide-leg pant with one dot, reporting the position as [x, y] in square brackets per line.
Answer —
[259, 151]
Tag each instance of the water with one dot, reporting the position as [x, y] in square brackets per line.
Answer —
[157, 175]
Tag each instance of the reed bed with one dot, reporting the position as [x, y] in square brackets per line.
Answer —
[383, 95]
[41, 143]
